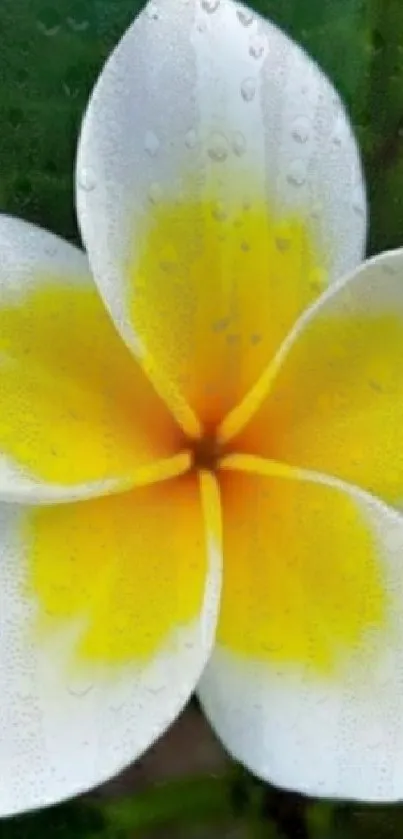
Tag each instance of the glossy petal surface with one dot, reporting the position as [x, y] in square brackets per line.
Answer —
[100, 650]
[305, 683]
[78, 416]
[218, 190]
[334, 400]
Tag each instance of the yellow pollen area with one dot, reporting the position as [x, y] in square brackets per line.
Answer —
[126, 572]
[75, 406]
[303, 581]
[335, 404]
[213, 287]
[214, 283]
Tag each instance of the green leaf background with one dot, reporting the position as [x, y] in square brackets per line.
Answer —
[50, 55]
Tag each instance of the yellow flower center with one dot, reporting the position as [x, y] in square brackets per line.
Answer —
[206, 452]
[211, 296]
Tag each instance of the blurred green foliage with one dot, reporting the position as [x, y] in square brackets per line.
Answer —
[51, 53]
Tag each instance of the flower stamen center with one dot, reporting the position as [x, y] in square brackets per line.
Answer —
[206, 452]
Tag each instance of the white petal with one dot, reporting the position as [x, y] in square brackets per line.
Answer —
[66, 378]
[208, 91]
[339, 735]
[65, 726]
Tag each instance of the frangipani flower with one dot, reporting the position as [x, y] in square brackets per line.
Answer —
[202, 430]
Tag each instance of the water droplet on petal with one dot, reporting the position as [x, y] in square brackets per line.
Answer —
[256, 47]
[221, 325]
[233, 339]
[358, 208]
[51, 248]
[297, 173]
[151, 143]
[152, 12]
[155, 192]
[80, 687]
[316, 280]
[210, 6]
[238, 143]
[248, 89]
[282, 243]
[316, 210]
[191, 139]
[86, 179]
[358, 201]
[218, 147]
[245, 16]
[219, 212]
[300, 129]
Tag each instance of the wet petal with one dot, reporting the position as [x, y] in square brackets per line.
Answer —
[334, 399]
[218, 190]
[100, 650]
[305, 684]
[78, 415]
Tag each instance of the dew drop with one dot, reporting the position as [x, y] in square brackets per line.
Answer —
[221, 325]
[77, 25]
[256, 47]
[219, 212]
[282, 243]
[50, 31]
[80, 687]
[152, 12]
[238, 144]
[70, 92]
[358, 202]
[155, 192]
[316, 280]
[48, 22]
[191, 139]
[245, 16]
[358, 208]
[210, 6]
[217, 149]
[72, 82]
[87, 180]
[51, 249]
[248, 89]
[297, 173]
[300, 130]
[151, 143]
[15, 117]
[316, 210]
[21, 76]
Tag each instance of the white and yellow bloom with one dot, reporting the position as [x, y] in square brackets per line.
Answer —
[201, 432]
